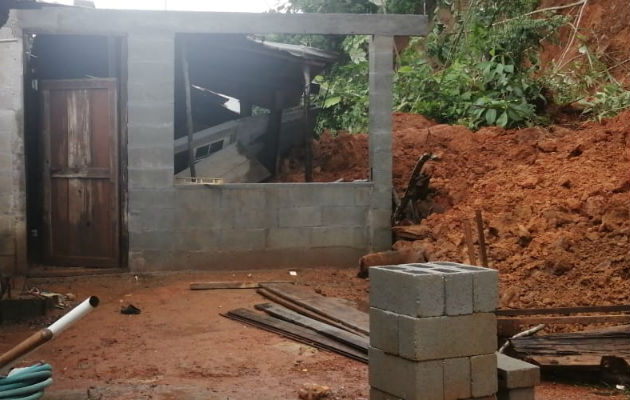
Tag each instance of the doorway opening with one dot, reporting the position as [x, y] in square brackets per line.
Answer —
[75, 135]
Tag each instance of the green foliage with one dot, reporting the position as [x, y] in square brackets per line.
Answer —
[343, 97]
[607, 102]
[478, 66]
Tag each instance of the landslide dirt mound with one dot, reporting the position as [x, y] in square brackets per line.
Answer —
[555, 201]
[605, 29]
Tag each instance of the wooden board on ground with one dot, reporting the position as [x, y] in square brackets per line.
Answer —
[295, 332]
[562, 310]
[359, 342]
[511, 326]
[228, 285]
[590, 346]
[329, 307]
[299, 309]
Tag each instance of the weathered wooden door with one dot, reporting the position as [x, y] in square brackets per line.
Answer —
[81, 199]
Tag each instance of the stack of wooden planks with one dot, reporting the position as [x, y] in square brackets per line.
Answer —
[305, 316]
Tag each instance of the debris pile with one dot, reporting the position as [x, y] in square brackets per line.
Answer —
[554, 199]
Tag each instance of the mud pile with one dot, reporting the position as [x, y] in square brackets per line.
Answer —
[555, 201]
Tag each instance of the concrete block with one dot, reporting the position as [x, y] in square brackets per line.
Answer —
[151, 240]
[196, 240]
[149, 135]
[157, 178]
[376, 394]
[150, 157]
[282, 238]
[515, 373]
[362, 194]
[153, 113]
[141, 199]
[337, 194]
[517, 394]
[235, 199]
[338, 237]
[254, 218]
[406, 379]
[408, 291]
[456, 378]
[242, 239]
[458, 289]
[299, 216]
[483, 375]
[384, 330]
[447, 337]
[344, 216]
[485, 284]
[380, 239]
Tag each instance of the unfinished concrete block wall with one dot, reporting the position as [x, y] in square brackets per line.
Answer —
[433, 332]
[12, 177]
[227, 226]
[151, 195]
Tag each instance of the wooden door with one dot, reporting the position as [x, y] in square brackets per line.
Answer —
[81, 199]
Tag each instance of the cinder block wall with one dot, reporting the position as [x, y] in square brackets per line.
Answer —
[12, 192]
[176, 227]
[233, 226]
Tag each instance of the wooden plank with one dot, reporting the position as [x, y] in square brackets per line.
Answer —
[299, 309]
[564, 310]
[509, 326]
[295, 332]
[592, 345]
[356, 341]
[328, 307]
[228, 285]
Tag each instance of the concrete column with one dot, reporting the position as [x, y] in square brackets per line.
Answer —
[12, 162]
[433, 333]
[380, 139]
[150, 91]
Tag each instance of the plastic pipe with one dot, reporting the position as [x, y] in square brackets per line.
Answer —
[74, 315]
[44, 335]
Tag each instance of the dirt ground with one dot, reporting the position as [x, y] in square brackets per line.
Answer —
[180, 347]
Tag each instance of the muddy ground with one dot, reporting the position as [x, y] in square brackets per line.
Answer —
[180, 347]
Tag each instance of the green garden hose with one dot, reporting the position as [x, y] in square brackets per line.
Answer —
[26, 383]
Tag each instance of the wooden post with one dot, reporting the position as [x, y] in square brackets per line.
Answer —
[469, 242]
[189, 121]
[308, 135]
[482, 239]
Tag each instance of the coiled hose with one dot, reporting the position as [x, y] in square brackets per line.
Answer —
[26, 383]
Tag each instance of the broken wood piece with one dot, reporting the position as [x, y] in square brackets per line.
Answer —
[295, 332]
[356, 341]
[299, 309]
[418, 183]
[229, 285]
[482, 239]
[527, 332]
[469, 243]
[329, 307]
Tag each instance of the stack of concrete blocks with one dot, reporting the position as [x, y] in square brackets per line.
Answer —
[433, 332]
[517, 378]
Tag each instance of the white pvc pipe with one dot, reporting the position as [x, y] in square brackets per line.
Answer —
[74, 315]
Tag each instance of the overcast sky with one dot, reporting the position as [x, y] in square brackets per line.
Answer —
[193, 5]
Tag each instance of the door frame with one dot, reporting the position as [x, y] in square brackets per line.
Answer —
[118, 59]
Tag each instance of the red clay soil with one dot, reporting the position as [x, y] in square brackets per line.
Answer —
[605, 26]
[555, 201]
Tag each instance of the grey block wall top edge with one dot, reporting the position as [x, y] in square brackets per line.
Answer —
[276, 186]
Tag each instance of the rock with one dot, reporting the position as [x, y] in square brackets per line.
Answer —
[412, 254]
[312, 391]
[530, 182]
[547, 146]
